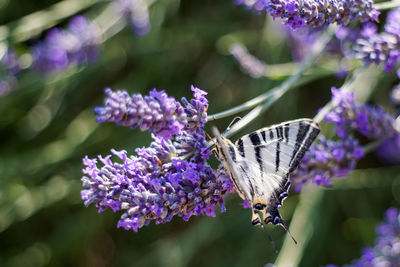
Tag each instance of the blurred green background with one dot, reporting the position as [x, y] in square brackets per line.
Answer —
[47, 126]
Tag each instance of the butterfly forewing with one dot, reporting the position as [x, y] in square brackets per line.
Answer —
[259, 163]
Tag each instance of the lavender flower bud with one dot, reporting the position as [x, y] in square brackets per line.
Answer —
[384, 47]
[137, 12]
[158, 183]
[76, 45]
[153, 187]
[325, 160]
[298, 13]
[372, 122]
[386, 250]
[157, 112]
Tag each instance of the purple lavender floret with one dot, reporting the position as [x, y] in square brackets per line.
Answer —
[155, 185]
[383, 47]
[298, 13]
[136, 11]
[389, 151]
[392, 25]
[325, 160]
[372, 122]
[76, 45]
[157, 112]
[386, 249]
[196, 109]
[171, 177]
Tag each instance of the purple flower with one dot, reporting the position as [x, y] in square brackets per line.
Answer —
[372, 122]
[157, 112]
[136, 11]
[301, 40]
[392, 25]
[298, 13]
[383, 47]
[386, 249]
[325, 160]
[171, 177]
[388, 151]
[248, 63]
[76, 45]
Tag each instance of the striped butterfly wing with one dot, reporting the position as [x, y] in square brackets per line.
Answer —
[259, 164]
[266, 158]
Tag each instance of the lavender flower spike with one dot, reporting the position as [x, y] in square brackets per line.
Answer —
[325, 160]
[297, 13]
[372, 122]
[137, 12]
[158, 112]
[149, 190]
[386, 250]
[77, 45]
[158, 183]
[384, 47]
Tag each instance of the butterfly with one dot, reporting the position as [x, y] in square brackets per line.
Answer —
[259, 164]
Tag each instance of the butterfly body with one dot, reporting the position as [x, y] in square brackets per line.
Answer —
[259, 164]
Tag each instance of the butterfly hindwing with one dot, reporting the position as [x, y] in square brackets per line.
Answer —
[259, 164]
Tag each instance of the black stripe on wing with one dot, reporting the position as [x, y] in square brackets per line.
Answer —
[256, 141]
[305, 145]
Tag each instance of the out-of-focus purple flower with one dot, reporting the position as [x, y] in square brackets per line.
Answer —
[298, 13]
[372, 122]
[157, 112]
[137, 12]
[392, 25]
[386, 249]
[301, 40]
[76, 45]
[248, 63]
[383, 47]
[325, 160]
[171, 177]
[9, 68]
[388, 151]
[380, 48]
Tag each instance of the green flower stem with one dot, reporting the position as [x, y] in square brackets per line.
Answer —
[270, 97]
[33, 24]
[387, 5]
[362, 83]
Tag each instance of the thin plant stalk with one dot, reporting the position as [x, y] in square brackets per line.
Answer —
[387, 5]
[273, 95]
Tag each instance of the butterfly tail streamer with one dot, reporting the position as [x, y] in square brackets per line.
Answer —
[283, 225]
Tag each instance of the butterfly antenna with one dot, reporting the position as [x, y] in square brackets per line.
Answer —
[287, 230]
[210, 137]
[233, 121]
